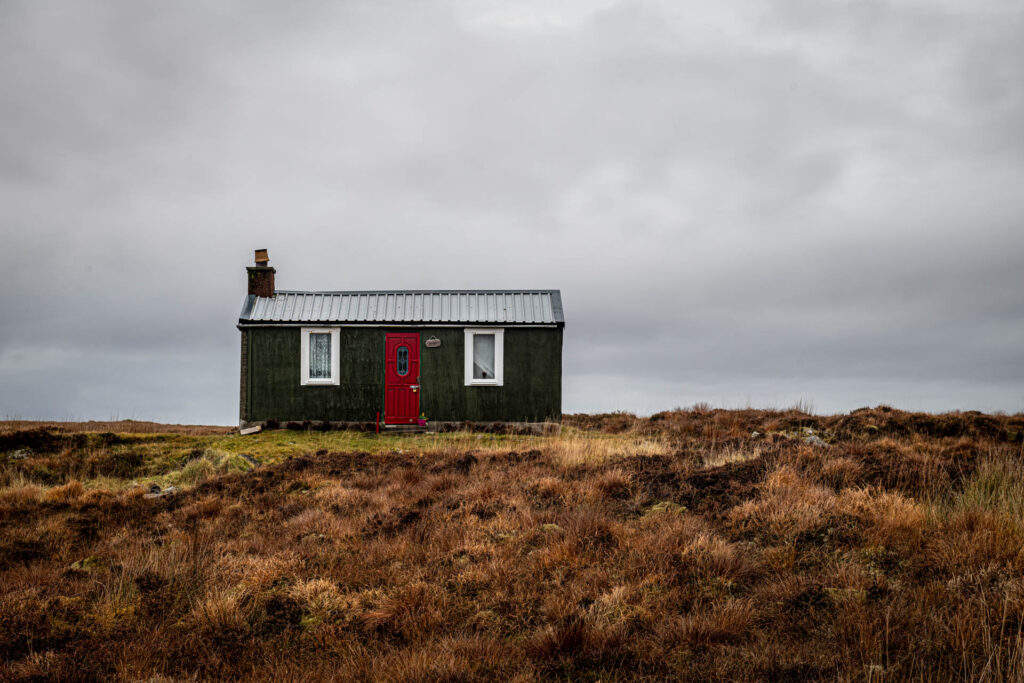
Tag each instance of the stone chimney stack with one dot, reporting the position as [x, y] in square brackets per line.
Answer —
[261, 276]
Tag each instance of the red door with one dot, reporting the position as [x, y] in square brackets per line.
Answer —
[401, 378]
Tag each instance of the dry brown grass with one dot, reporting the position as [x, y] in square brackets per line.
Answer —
[114, 426]
[677, 547]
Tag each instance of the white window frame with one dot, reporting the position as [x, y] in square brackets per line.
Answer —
[335, 378]
[499, 357]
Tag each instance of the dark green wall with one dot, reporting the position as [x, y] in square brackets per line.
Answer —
[532, 391]
[273, 371]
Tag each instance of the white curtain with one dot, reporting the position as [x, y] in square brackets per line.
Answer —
[483, 356]
[319, 356]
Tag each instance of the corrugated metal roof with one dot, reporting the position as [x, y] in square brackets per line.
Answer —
[509, 307]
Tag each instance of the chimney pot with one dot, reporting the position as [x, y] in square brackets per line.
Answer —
[261, 276]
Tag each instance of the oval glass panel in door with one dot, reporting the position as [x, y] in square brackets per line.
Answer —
[402, 361]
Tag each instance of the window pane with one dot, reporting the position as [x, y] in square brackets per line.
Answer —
[319, 355]
[483, 356]
[403, 361]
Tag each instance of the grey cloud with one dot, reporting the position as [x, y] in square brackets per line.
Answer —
[740, 202]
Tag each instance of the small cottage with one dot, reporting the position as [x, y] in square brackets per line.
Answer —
[399, 357]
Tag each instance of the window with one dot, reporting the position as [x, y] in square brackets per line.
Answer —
[483, 356]
[320, 356]
[485, 363]
[402, 361]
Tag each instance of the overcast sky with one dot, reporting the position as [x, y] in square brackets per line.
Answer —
[742, 202]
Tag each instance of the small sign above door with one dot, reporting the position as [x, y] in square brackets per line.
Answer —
[432, 343]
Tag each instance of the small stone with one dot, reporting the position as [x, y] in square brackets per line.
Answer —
[252, 460]
[815, 440]
[20, 454]
[666, 506]
[155, 492]
[87, 564]
[313, 537]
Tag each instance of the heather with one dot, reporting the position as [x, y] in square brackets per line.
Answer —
[694, 544]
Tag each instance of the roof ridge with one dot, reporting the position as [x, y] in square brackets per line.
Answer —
[525, 290]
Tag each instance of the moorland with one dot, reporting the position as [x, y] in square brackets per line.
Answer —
[694, 544]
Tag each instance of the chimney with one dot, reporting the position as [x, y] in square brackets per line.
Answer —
[261, 276]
